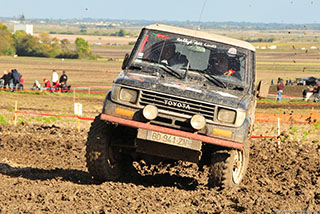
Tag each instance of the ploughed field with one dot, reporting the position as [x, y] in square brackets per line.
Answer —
[43, 169]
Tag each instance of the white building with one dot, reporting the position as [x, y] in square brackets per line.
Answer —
[25, 27]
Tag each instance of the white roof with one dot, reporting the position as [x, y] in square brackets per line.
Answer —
[202, 35]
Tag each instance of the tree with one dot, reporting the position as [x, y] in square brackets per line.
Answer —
[122, 32]
[83, 49]
[82, 46]
[27, 45]
[6, 41]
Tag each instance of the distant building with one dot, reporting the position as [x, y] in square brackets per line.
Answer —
[25, 27]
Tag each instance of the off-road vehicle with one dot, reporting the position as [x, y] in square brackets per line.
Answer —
[182, 95]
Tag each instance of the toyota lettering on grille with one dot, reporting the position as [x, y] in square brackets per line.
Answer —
[177, 104]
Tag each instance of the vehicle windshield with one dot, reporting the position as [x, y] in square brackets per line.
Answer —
[190, 54]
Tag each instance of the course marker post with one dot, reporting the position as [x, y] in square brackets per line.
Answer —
[78, 112]
[15, 112]
[74, 95]
[279, 140]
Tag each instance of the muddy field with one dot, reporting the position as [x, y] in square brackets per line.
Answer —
[43, 169]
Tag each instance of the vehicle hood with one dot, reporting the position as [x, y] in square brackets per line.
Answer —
[196, 89]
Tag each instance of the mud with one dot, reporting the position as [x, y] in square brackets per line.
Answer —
[42, 170]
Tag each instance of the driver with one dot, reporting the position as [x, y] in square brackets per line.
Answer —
[172, 58]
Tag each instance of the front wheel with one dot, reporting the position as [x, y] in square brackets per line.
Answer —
[228, 167]
[103, 160]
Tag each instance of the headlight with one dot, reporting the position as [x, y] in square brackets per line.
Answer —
[198, 122]
[128, 95]
[226, 116]
[231, 116]
[150, 112]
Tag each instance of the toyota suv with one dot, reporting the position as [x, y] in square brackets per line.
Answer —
[182, 95]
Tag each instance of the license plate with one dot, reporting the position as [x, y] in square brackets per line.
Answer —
[174, 140]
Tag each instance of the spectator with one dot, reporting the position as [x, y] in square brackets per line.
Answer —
[56, 87]
[36, 85]
[64, 87]
[316, 97]
[307, 93]
[280, 88]
[47, 84]
[14, 79]
[63, 78]
[21, 84]
[6, 78]
[55, 77]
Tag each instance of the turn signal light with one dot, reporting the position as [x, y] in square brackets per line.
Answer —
[124, 112]
[222, 132]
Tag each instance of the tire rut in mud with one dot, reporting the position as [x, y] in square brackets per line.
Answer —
[43, 169]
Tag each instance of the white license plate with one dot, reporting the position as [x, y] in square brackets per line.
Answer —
[174, 140]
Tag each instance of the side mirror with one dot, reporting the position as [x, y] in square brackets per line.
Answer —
[125, 61]
[263, 89]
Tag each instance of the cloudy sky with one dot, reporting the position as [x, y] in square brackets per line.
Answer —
[266, 11]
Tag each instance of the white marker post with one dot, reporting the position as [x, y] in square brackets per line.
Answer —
[279, 140]
[15, 112]
[78, 112]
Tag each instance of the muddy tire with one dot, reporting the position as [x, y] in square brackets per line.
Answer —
[228, 167]
[103, 161]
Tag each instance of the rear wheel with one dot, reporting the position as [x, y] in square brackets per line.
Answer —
[228, 167]
[103, 161]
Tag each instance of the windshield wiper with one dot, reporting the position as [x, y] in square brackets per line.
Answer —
[135, 66]
[213, 79]
[171, 71]
[210, 77]
[236, 87]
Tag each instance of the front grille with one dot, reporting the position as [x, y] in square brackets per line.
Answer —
[177, 104]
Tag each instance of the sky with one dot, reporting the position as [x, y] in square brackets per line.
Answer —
[254, 11]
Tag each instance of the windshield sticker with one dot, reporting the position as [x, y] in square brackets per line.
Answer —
[232, 51]
[194, 42]
[143, 44]
[229, 73]
[159, 35]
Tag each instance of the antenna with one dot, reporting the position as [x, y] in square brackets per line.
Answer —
[204, 4]
[188, 65]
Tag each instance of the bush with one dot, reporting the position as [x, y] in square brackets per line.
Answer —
[6, 41]
[68, 54]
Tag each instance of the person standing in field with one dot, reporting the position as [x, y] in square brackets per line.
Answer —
[6, 79]
[55, 77]
[280, 88]
[14, 79]
[63, 78]
[316, 91]
[21, 84]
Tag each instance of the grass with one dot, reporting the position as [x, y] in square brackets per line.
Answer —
[3, 120]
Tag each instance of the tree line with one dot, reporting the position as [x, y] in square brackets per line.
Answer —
[22, 44]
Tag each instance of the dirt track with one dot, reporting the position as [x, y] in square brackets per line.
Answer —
[42, 170]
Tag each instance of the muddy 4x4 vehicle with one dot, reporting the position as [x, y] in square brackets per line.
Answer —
[182, 95]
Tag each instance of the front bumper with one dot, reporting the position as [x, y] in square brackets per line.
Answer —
[194, 136]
